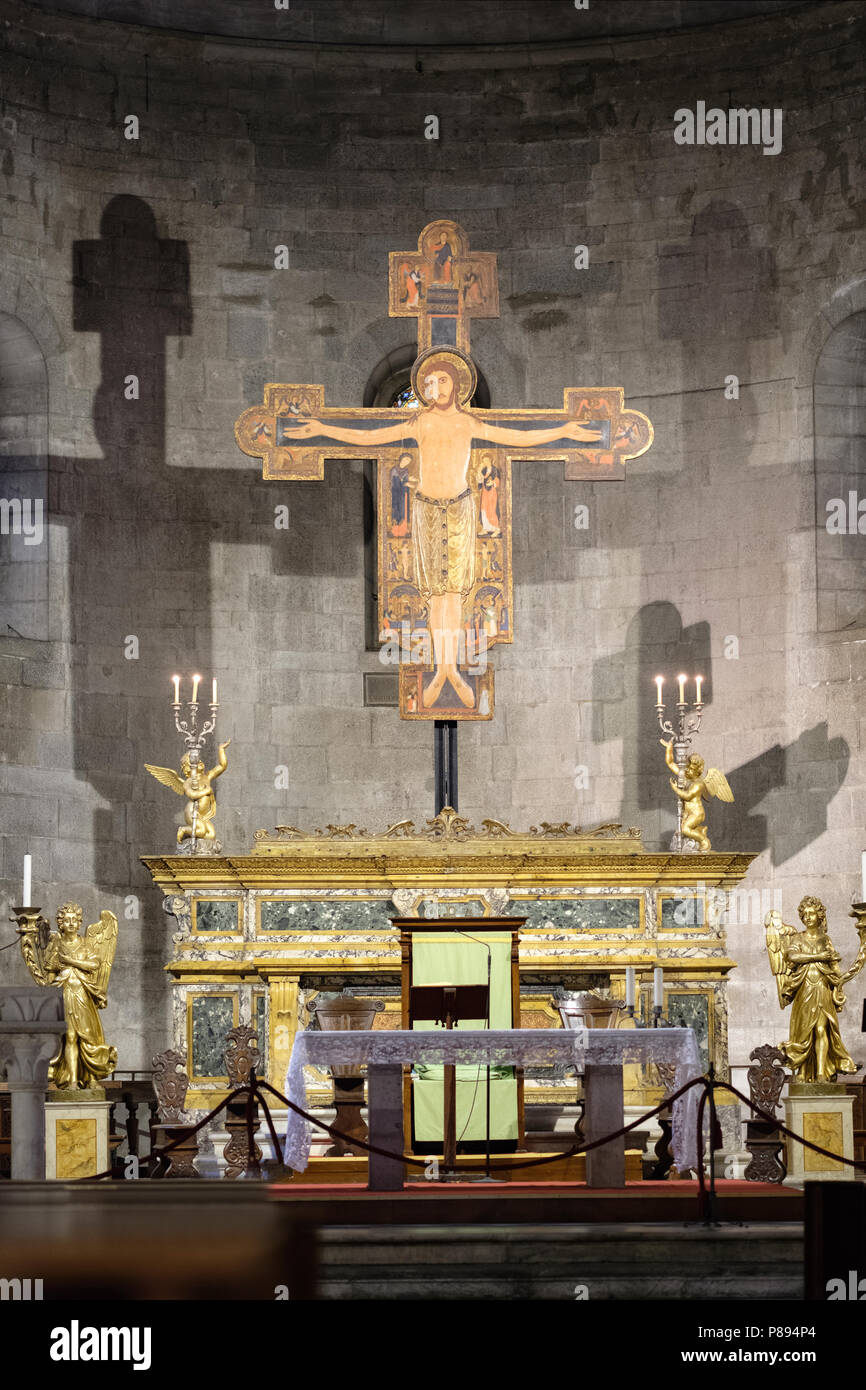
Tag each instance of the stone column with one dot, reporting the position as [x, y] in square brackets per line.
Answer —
[31, 1024]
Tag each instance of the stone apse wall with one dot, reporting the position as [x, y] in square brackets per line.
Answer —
[155, 258]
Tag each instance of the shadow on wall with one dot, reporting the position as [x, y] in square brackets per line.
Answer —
[24, 562]
[128, 534]
[792, 785]
[624, 695]
[840, 476]
[798, 782]
[142, 534]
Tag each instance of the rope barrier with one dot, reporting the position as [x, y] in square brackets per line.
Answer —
[160, 1150]
[480, 1167]
[253, 1091]
[789, 1133]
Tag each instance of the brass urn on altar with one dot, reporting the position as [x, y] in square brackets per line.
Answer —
[588, 1010]
[344, 1013]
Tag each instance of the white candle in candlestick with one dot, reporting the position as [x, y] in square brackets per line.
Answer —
[214, 693]
[27, 885]
[699, 680]
[863, 878]
[659, 684]
[176, 683]
[682, 681]
[629, 987]
[195, 685]
[658, 987]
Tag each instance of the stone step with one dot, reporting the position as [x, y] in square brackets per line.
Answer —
[562, 1262]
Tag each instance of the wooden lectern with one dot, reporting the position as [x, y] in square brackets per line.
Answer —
[506, 928]
[448, 1004]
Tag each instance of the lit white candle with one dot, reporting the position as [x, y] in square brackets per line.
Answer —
[176, 683]
[682, 681]
[27, 885]
[658, 987]
[629, 987]
[213, 698]
[659, 684]
[699, 680]
[196, 680]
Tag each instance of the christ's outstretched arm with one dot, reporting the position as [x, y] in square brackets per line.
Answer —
[497, 434]
[388, 434]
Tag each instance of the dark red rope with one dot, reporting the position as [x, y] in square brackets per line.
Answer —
[254, 1091]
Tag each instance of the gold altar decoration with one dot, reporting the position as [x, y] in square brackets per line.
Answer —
[697, 786]
[256, 936]
[806, 966]
[196, 785]
[444, 499]
[81, 967]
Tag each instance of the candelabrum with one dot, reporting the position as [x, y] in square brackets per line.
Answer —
[193, 735]
[658, 1019]
[680, 728]
[194, 781]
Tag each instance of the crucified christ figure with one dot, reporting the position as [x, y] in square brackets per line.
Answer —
[444, 506]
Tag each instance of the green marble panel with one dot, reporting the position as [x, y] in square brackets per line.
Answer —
[580, 914]
[217, 914]
[677, 913]
[309, 914]
[691, 1011]
[212, 1017]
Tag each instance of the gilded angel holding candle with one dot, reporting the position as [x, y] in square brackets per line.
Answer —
[196, 785]
[81, 967]
[806, 965]
[693, 786]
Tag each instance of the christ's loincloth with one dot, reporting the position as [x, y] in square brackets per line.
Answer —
[443, 544]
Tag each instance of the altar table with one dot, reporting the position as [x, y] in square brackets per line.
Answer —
[599, 1054]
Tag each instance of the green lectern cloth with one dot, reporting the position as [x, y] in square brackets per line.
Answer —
[447, 958]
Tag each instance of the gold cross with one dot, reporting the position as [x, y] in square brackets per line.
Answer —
[445, 587]
[443, 286]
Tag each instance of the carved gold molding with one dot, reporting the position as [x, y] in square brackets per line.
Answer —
[449, 826]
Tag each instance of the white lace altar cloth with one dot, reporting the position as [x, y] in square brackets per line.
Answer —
[521, 1047]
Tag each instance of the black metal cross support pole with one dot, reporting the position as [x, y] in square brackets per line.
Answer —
[445, 764]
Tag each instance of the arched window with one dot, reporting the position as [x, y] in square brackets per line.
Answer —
[840, 477]
[404, 398]
[23, 483]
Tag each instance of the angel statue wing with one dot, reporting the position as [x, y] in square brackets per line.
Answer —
[101, 936]
[777, 934]
[168, 777]
[717, 784]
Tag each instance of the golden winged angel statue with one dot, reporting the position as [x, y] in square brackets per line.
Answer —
[806, 967]
[694, 788]
[197, 786]
[81, 967]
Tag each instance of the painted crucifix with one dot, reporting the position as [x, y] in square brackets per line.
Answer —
[444, 477]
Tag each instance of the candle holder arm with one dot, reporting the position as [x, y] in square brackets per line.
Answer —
[34, 932]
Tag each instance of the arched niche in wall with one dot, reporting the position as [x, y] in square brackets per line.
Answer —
[24, 560]
[840, 477]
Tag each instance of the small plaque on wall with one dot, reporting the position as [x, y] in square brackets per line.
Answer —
[381, 689]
